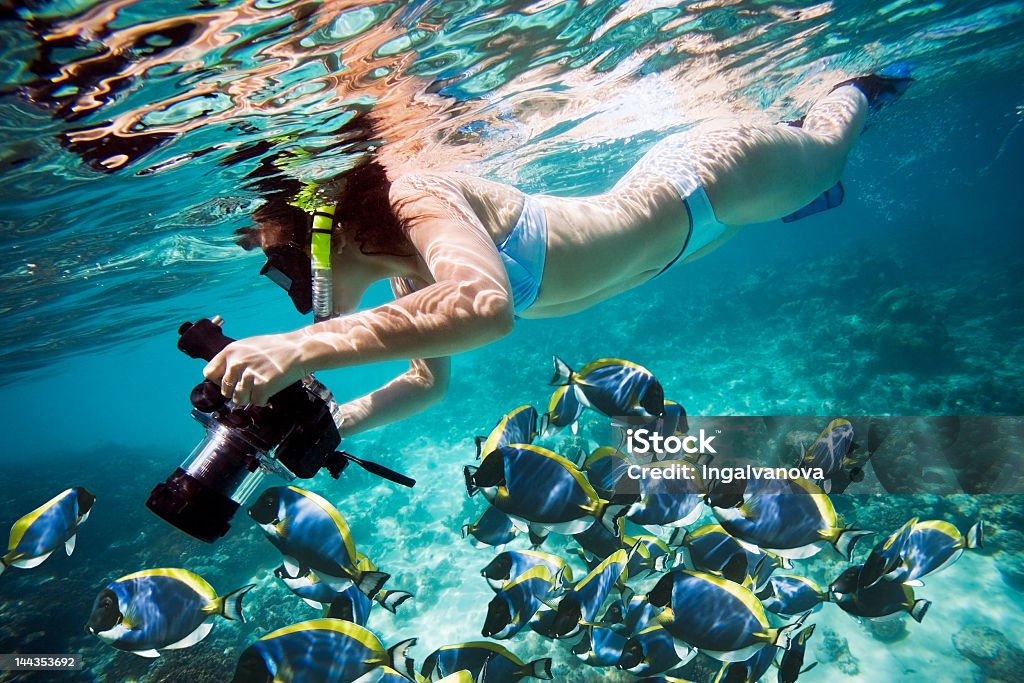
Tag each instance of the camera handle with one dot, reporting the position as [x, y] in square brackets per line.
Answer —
[340, 459]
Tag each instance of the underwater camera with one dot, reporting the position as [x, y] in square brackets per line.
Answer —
[294, 435]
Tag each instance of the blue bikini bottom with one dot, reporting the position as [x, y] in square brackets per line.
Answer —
[523, 252]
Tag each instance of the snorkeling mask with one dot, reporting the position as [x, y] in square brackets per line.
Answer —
[307, 279]
[294, 435]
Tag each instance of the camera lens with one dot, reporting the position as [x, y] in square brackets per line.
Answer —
[196, 509]
[199, 497]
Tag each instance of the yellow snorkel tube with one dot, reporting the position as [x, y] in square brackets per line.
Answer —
[320, 262]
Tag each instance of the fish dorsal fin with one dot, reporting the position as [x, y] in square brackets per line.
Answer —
[192, 638]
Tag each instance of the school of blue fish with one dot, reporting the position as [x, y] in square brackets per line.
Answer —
[658, 588]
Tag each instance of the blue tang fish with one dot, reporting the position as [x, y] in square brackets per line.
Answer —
[653, 650]
[651, 555]
[514, 605]
[385, 674]
[538, 487]
[788, 517]
[501, 665]
[519, 426]
[320, 650]
[719, 617]
[749, 670]
[640, 614]
[598, 541]
[311, 534]
[493, 528]
[160, 609]
[605, 468]
[344, 599]
[931, 546]
[583, 602]
[667, 501]
[883, 599]
[353, 605]
[53, 524]
[792, 664]
[832, 452]
[564, 409]
[600, 646]
[511, 564]
[886, 557]
[316, 590]
[618, 389]
[710, 549]
[791, 595]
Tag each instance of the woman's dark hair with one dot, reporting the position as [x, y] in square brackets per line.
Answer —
[363, 213]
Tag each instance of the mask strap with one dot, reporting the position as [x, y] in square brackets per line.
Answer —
[320, 262]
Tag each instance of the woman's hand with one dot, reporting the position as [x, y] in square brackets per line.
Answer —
[252, 370]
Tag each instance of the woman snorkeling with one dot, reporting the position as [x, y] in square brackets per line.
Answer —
[466, 256]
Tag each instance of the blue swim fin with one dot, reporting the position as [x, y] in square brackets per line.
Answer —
[829, 199]
[884, 87]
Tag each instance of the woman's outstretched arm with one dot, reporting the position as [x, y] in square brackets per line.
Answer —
[467, 306]
[422, 386]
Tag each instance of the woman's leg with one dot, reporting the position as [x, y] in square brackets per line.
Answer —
[761, 173]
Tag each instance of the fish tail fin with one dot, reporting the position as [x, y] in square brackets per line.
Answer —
[608, 515]
[678, 536]
[230, 605]
[392, 599]
[845, 539]
[974, 535]
[665, 562]
[919, 608]
[369, 583]
[400, 660]
[539, 668]
[563, 373]
[784, 635]
[468, 472]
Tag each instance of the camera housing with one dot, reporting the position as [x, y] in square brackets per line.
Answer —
[294, 435]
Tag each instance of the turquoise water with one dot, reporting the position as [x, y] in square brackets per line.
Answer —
[907, 300]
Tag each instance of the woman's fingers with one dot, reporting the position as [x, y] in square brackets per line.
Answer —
[252, 370]
[243, 390]
[228, 383]
[214, 370]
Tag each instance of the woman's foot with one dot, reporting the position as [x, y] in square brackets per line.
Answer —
[884, 87]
